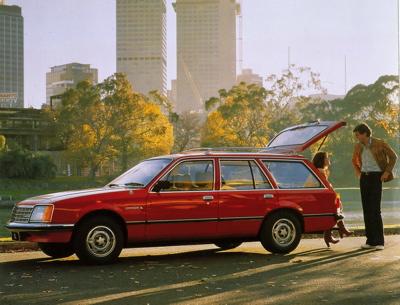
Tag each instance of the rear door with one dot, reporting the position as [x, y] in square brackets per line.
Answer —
[300, 137]
[299, 186]
[244, 195]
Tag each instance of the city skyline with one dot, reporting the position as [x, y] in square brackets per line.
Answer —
[319, 35]
[206, 50]
[141, 44]
[11, 57]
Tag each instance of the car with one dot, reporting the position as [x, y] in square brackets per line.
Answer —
[224, 196]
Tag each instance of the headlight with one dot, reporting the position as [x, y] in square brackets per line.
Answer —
[42, 213]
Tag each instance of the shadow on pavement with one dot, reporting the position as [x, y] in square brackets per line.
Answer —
[202, 277]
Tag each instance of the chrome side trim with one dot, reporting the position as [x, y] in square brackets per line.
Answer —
[14, 226]
[320, 215]
[242, 218]
[196, 220]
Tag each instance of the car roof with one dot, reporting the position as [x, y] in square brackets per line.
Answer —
[224, 153]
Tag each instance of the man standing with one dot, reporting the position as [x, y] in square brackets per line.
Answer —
[373, 161]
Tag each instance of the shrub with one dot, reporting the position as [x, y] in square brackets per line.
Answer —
[19, 163]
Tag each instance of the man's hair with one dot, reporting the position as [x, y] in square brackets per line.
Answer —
[363, 129]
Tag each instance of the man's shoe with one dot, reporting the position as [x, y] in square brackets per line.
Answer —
[366, 246]
[380, 247]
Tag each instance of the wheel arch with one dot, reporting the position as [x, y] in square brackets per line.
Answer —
[295, 212]
[103, 212]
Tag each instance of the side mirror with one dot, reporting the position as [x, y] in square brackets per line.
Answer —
[161, 185]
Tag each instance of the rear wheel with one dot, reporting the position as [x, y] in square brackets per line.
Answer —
[226, 245]
[57, 250]
[98, 240]
[281, 232]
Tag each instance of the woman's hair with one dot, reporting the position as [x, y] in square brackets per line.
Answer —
[319, 159]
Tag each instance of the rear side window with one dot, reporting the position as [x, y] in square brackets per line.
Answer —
[292, 175]
[242, 175]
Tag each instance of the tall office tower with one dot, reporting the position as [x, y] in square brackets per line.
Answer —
[11, 56]
[141, 43]
[64, 77]
[206, 50]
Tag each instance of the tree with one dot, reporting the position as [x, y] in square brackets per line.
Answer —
[290, 93]
[2, 143]
[376, 104]
[140, 129]
[240, 117]
[97, 123]
[187, 129]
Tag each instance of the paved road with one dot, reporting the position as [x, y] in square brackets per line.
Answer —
[312, 274]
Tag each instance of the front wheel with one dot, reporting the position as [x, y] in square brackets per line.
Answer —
[281, 232]
[98, 240]
[57, 250]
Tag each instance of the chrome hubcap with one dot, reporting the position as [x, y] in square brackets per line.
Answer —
[100, 241]
[283, 232]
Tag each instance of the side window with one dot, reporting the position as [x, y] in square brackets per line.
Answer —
[292, 175]
[190, 176]
[242, 175]
[260, 181]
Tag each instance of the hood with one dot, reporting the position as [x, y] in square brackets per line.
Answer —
[50, 198]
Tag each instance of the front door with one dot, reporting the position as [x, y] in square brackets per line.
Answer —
[186, 207]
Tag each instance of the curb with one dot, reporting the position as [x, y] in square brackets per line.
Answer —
[8, 245]
[18, 246]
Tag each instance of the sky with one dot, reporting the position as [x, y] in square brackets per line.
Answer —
[320, 35]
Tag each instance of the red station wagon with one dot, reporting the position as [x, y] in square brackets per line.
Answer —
[200, 196]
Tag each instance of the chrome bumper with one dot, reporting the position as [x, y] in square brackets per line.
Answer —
[37, 227]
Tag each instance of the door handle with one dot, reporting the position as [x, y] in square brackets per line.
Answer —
[134, 208]
[268, 196]
[208, 198]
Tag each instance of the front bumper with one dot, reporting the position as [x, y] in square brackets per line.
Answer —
[35, 227]
[40, 232]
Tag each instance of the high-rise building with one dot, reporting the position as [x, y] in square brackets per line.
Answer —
[11, 56]
[171, 94]
[64, 77]
[206, 50]
[141, 44]
[249, 77]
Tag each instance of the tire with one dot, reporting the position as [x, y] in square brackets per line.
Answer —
[281, 232]
[226, 245]
[57, 250]
[98, 240]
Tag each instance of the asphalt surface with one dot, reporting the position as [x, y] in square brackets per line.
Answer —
[312, 274]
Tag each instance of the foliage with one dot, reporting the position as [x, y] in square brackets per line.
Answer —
[248, 115]
[240, 117]
[376, 104]
[19, 163]
[2, 142]
[187, 129]
[97, 123]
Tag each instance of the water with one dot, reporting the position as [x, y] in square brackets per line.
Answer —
[351, 200]
[352, 207]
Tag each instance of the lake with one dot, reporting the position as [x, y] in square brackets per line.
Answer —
[351, 200]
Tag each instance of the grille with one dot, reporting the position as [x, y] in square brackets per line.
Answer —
[21, 214]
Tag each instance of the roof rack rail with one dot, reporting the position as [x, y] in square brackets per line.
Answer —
[232, 149]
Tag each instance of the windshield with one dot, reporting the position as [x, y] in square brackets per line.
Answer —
[297, 136]
[141, 174]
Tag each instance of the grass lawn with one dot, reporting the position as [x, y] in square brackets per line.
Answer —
[20, 189]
